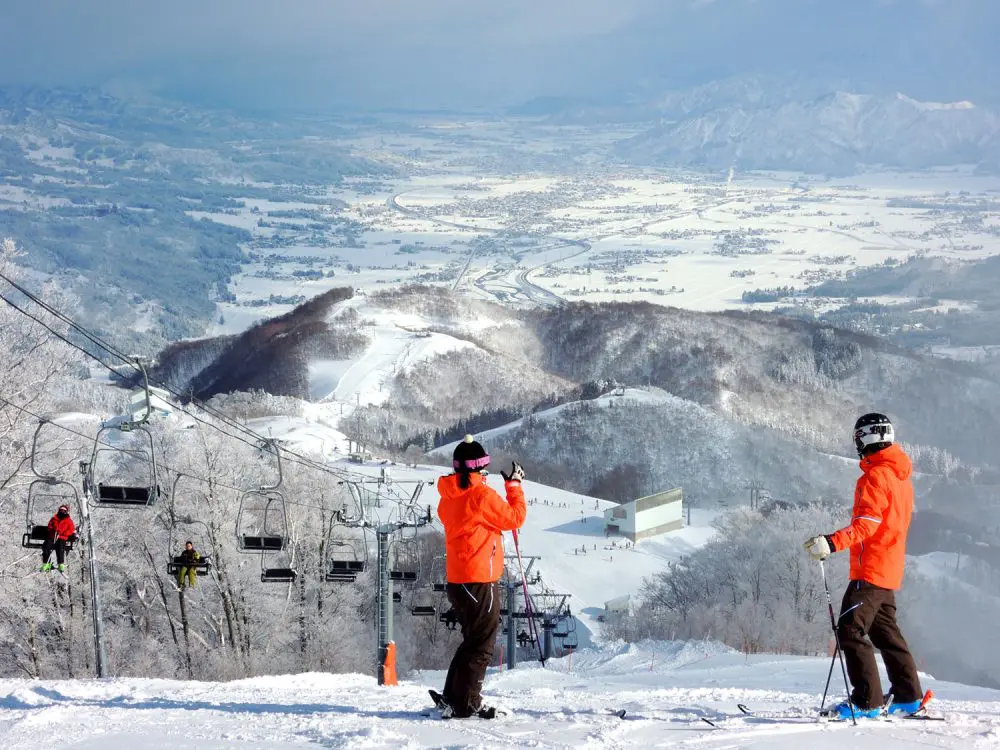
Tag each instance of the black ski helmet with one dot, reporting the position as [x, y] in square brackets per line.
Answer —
[873, 432]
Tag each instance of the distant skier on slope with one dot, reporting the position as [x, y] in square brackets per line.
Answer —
[61, 529]
[876, 537]
[473, 515]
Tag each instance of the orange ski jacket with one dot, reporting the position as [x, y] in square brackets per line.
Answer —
[883, 504]
[473, 519]
[61, 528]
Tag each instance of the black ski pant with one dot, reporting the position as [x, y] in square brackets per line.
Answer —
[477, 606]
[870, 611]
[58, 545]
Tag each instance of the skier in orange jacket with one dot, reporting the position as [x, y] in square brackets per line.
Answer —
[876, 538]
[474, 516]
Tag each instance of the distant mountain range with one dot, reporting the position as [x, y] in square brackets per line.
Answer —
[796, 124]
[836, 133]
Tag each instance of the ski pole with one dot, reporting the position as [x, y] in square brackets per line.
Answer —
[839, 651]
[528, 609]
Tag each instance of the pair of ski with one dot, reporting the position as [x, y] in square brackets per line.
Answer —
[444, 711]
[827, 715]
[799, 714]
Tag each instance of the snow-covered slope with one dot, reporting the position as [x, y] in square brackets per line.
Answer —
[667, 688]
[563, 529]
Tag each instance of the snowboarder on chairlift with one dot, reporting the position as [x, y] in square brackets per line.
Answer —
[61, 529]
[876, 537]
[190, 571]
[474, 515]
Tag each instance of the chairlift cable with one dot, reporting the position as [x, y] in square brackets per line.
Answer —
[166, 467]
[294, 457]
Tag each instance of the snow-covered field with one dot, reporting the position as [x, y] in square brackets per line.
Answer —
[626, 234]
[666, 688]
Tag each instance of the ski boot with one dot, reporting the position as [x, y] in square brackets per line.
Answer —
[844, 711]
[62, 567]
[46, 567]
[911, 708]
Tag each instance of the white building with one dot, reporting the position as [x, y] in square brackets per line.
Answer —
[159, 400]
[646, 516]
[618, 607]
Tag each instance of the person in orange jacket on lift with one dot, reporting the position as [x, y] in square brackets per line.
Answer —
[876, 538]
[474, 515]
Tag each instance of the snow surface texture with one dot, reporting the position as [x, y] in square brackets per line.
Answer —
[666, 688]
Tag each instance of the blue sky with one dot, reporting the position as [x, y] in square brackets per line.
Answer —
[327, 54]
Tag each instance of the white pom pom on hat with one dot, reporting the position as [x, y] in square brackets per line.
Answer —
[470, 456]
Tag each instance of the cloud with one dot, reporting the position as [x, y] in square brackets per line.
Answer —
[484, 52]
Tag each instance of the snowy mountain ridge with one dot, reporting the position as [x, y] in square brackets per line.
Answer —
[838, 133]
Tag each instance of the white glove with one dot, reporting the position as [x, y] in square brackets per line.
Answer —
[516, 473]
[818, 547]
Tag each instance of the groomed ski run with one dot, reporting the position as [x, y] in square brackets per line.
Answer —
[666, 690]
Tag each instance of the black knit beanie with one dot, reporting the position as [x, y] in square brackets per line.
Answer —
[470, 456]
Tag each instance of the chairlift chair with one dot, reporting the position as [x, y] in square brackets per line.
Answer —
[405, 567]
[262, 518]
[439, 575]
[262, 521]
[276, 575]
[140, 492]
[45, 495]
[346, 559]
[423, 605]
[174, 542]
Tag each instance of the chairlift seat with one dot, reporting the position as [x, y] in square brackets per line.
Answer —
[440, 587]
[201, 567]
[347, 566]
[269, 543]
[344, 571]
[278, 575]
[35, 539]
[569, 647]
[397, 598]
[405, 576]
[421, 610]
[339, 577]
[112, 494]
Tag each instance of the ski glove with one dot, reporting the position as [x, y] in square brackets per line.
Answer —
[516, 473]
[819, 547]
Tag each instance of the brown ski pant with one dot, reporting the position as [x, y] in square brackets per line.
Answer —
[477, 606]
[870, 610]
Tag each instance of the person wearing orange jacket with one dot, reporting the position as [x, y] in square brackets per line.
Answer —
[876, 538]
[474, 515]
[61, 530]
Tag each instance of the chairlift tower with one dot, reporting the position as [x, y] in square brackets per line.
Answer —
[95, 587]
[547, 608]
[129, 496]
[511, 584]
[408, 518]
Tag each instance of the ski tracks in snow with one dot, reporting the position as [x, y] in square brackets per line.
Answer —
[552, 710]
